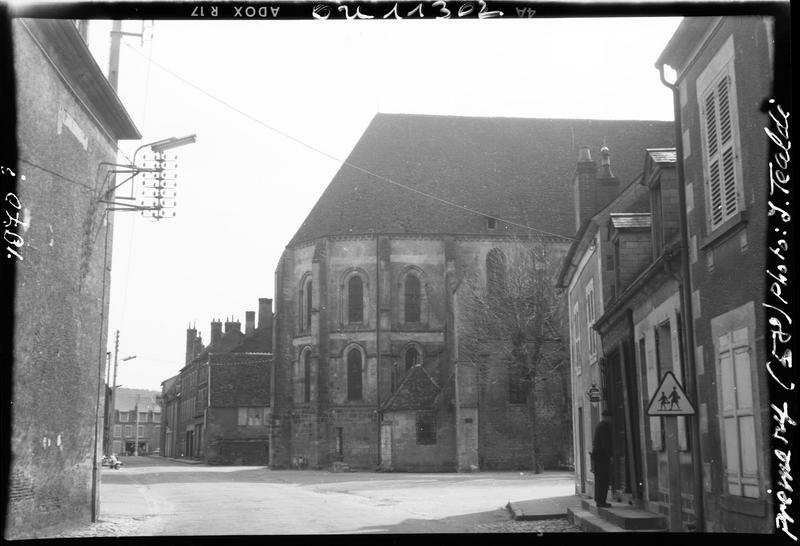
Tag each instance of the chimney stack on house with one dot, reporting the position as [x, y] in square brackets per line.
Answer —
[249, 322]
[265, 319]
[231, 325]
[191, 335]
[216, 331]
[594, 187]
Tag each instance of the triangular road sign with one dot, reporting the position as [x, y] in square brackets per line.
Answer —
[670, 399]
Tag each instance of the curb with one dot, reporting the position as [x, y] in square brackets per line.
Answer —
[518, 515]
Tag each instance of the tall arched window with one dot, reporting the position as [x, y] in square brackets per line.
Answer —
[495, 271]
[309, 300]
[354, 371]
[412, 357]
[413, 298]
[307, 376]
[304, 299]
[355, 299]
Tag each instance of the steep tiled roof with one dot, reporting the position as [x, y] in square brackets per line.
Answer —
[513, 168]
[125, 400]
[631, 220]
[418, 390]
[226, 344]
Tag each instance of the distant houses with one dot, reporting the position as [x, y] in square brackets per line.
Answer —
[217, 408]
[137, 418]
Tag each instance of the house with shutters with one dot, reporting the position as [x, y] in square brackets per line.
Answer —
[724, 68]
[677, 280]
[367, 369]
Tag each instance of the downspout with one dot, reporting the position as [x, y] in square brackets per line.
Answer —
[378, 415]
[686, 305]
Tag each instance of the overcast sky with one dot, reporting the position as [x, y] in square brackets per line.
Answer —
[244, 189]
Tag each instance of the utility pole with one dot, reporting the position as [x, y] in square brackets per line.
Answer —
[136, 444]
[113, 57]
[113, 416]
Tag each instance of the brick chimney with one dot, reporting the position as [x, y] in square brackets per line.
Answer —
[594, 188]
[216, 331]
[231, 325]
[607, 186]
[191, 336]
[265, 320]
[249, 322]
[585, 172]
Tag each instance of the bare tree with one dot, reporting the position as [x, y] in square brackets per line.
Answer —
[515, 317]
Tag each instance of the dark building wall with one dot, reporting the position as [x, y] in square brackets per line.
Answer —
[409, 456]
[506, 432]
[231, 443]
[240, 383]
[62, 290]
[728, 272]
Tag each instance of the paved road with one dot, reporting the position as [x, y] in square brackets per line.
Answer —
[155, 496]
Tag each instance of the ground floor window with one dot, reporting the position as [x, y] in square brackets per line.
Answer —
[426, 428]
[738, 418]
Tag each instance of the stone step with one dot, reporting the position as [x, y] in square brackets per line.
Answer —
[591, 523]
[341, 467]
[626, 517]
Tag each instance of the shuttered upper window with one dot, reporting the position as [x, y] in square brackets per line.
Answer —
[719, 120]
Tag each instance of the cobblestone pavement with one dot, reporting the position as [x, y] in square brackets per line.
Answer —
[541, 526]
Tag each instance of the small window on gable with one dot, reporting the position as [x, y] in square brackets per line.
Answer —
[426, 428]
[412, 357]
[491, 223]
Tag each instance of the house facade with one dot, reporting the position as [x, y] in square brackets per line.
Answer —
[683, 283]
[367, 292]
[69, 120]
[724, 75]
[587, 276]
[217, 408]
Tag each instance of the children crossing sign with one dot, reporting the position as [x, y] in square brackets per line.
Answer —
[670, 399]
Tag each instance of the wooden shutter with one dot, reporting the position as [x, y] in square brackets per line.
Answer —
[720, 152]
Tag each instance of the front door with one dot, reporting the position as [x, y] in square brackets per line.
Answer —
[615, 402]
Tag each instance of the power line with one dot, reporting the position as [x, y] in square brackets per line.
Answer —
[58, 175]
[339, 160]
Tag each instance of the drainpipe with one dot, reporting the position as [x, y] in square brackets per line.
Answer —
[379, 415]
[686, 305]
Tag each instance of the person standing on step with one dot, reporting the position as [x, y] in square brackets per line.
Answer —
[602, 451]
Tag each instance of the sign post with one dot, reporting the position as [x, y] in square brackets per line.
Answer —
[670, 401]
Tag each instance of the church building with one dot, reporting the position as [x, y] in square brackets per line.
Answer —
[367, 371]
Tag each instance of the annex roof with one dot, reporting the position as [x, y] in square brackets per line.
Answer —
[417, 390]
[631, 220]
[662, 155]
[516, 169]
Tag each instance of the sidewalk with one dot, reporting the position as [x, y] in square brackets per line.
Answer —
[548, 508]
